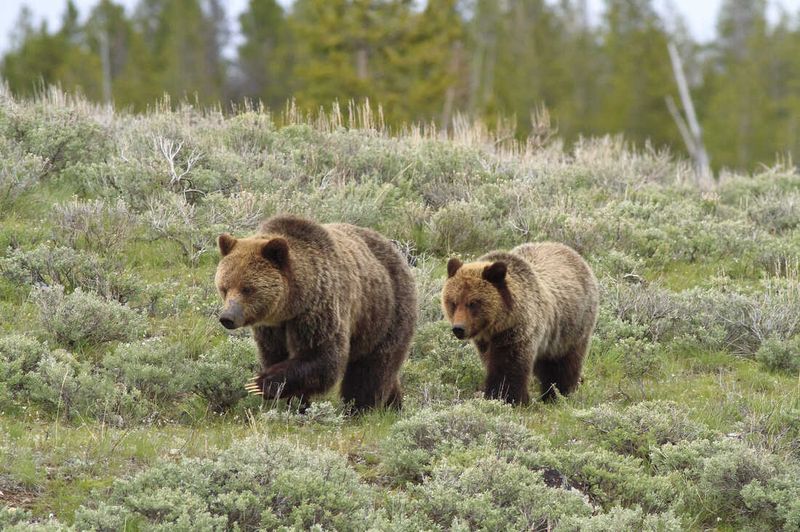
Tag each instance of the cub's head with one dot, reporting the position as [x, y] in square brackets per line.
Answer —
[253, 280]
[475, 297]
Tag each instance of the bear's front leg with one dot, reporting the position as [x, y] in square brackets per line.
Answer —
[308, 373]
[272, 383]
[508, 371]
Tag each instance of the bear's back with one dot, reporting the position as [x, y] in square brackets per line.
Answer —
[557, 264]
[568, 284]
[384, 280]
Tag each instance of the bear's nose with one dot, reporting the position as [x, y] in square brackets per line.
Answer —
[227, 323]
[459, 331]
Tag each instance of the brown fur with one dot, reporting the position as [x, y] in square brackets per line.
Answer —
[532, 309]
[326, 302]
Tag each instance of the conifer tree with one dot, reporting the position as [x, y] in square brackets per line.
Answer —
[738, 130]
[265, 56]
[637, 75]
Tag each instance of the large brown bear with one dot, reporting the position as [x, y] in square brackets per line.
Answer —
[530, 309]
[325, 302]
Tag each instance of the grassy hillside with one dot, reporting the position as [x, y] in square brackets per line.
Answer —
[121, 397]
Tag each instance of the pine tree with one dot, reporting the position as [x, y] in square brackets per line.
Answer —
[576, 110]
[37, 56]
[783, 79]
[637, 75]
[128, 64]
[738, 99]
[529, 69]
[265, 56]
[185, 46]
[431, 63]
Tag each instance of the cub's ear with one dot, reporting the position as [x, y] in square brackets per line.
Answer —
[453, 266]
[225, 243]
[276, 251]
[495, 273]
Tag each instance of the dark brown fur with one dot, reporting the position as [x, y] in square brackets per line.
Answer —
[326, 302]
[532, 309]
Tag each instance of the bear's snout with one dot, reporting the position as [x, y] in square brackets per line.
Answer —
[459, 331]
[232, 316]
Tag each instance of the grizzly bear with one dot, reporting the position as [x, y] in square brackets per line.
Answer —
[325, 302]
[530, 309]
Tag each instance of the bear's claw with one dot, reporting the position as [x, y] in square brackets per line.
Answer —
[254, 386]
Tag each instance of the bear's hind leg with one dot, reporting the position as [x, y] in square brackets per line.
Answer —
[372, 381]
[395, 398]
[547, 372]
[563, 373]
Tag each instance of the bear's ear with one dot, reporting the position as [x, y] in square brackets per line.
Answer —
[225, 243]
[453, 266]
[495, 273]
[277, 252]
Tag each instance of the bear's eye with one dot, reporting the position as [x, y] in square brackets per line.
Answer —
[451, 306]
[246, 290]
[224, 292]
[473, 305]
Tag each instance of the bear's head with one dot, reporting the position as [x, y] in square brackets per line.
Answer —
[253, 280]
[475, 297]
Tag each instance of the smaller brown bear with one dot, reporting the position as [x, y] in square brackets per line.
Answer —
[530, 309]
[325, 302]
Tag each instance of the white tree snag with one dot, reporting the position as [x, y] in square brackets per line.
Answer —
[690, 128]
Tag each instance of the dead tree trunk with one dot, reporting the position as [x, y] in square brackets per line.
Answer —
[690, 129]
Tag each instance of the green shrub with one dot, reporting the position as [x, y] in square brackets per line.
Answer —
[616, 264]
[492, 494]
[619, 518]
[154, 367]
[775, 503]
[645, 306]
[258, 483]
[73, 389]
[19, 171]
[608, 479]
[20, 355]
[173, 298]
[776, 211]
[60, 135]
[463, 227]
[773, 311]
[440, 365]
[220, 375]
[445, 172]
[780, 355]
[195, 225]
[728, 481]
[416, 444]
[635, 430]
[52, 265]
[429, 289]
[641, 360]
[95, 225]
[249, 133]
[83, 318]
[30, 373]
[718, 318]
[319, 413]
[21, 520]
